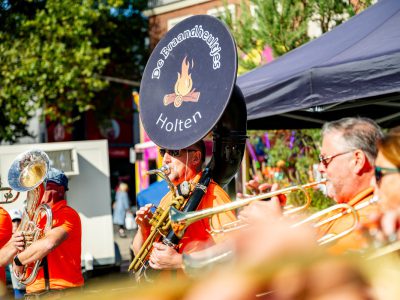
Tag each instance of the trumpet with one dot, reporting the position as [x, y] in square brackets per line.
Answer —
[180, 220]
[342, 209]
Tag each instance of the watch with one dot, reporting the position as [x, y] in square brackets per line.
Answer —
[17, 261]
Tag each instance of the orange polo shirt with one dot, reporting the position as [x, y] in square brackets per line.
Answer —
[197, 236]
[355, 241]
[64, 262]
[5, 235]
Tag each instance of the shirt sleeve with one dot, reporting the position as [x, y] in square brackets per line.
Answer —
[5, 227]
[70, 220]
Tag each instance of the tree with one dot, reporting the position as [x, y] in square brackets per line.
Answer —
[54, 54]
[282, 25]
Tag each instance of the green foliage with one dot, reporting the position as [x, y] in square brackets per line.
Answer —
[282, 25]
[53, 53]
[287, 157]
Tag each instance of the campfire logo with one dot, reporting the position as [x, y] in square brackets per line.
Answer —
[183, 87]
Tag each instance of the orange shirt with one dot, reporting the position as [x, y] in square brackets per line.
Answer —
[355, 241]
[197, 234]
[5, 235]
[64, 262]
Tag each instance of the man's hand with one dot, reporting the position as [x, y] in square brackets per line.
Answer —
[18, 241]
[18, 270]
[143, 215]
[260, 210]
[164, 257]
[258, 188]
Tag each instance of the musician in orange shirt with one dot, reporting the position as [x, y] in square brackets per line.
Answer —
[184, 165]
[59, 249]
[5, 235]
[347, 159]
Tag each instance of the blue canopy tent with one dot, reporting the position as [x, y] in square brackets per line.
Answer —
[353, 70]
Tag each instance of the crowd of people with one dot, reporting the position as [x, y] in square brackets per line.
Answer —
[270, 258]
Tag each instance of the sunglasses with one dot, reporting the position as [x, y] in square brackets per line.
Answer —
[174, 153]
[381, 171]
[326, 160]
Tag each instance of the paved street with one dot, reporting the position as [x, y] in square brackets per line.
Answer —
[123, 245]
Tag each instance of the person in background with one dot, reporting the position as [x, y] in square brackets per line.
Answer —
[387, 185]
[19, 288]
[60, 247]
[121, 207]
[5, 235]
[347, 159]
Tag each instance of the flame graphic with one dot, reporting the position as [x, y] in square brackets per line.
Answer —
[183, 87]
[184, 83]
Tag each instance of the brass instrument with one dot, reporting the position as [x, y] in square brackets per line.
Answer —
[318, 219]
[180, 221]
[343, 209]
[28, 174]
[160, 224]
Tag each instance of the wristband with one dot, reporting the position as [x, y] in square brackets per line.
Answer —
[17, 261]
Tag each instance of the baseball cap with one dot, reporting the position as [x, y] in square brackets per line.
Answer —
[58, 177]
[15, 214]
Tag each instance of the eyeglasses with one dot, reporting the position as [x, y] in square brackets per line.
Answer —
[174, 153]
[326, 160]
[381, 171]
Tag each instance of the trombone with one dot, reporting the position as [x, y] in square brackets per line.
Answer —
[181, 220]
[317, 220]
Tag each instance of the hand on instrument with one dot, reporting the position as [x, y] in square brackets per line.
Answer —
[143, 215]
[260, 210]
[259, 188]
[164, 257]
[388, 226]
[18, 270]
[18, 241]
[256, 187]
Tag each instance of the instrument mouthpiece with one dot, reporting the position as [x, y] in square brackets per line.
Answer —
[164, 169]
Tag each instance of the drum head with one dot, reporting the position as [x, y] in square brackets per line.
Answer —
[187, 82]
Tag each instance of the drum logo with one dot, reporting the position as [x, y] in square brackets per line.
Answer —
[183, 87]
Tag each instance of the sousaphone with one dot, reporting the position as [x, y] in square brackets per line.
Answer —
[187, 91]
